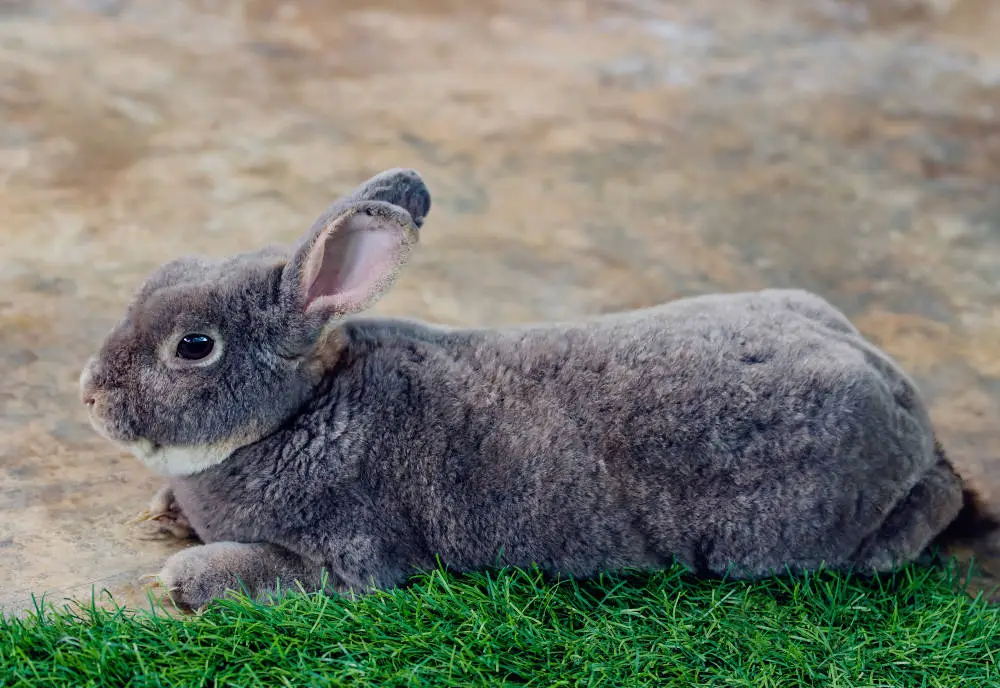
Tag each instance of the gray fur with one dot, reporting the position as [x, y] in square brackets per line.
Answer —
[749, 433]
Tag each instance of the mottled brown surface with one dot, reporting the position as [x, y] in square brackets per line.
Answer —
[584, 157]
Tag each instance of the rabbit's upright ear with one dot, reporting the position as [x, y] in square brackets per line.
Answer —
[348, 261]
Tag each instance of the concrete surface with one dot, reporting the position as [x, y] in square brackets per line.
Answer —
[584, 157]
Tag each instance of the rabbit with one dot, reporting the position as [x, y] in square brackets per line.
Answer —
[306, 444]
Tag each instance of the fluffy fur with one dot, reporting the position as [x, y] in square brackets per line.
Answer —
[747, 433]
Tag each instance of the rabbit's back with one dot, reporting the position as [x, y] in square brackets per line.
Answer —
[723, 380]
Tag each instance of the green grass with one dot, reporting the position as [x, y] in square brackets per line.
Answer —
[513, 628]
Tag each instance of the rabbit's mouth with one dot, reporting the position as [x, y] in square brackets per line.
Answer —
[101, 409]
[101, 426]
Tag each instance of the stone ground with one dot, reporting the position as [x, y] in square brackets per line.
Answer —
[584, 157]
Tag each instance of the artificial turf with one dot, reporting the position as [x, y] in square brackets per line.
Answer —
[517, 628]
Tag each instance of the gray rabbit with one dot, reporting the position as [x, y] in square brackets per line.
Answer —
[748, 433]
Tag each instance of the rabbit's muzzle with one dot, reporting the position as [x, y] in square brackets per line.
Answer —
[88, 390]
[96, 399]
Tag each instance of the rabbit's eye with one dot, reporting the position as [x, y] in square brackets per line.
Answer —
[195, 346]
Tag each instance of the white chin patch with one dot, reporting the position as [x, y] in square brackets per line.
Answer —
[177, 462]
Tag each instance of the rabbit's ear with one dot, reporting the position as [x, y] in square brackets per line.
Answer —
[351, 260]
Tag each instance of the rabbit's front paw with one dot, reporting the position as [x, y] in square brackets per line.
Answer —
[197, 575]
[166, 514]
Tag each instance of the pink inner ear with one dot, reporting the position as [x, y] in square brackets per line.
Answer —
[349, 267]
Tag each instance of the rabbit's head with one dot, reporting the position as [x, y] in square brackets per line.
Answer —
[212, 355]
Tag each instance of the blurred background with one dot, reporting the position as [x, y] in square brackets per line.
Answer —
[584, 156]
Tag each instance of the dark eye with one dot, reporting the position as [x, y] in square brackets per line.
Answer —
[194, 347]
